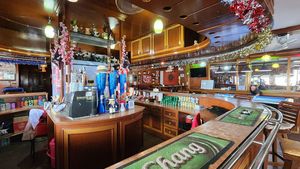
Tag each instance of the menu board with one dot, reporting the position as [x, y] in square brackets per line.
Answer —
[194, 151]
[7, 71]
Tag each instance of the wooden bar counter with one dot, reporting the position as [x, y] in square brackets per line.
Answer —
[212, 127]
[96, 142]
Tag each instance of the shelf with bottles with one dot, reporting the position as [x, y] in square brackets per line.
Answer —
[90, 39]
[13, 103]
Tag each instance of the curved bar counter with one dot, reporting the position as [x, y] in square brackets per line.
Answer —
[247, 140]
[96, 142]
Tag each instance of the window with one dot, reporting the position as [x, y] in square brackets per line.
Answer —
[295, 74]
[271, 75]
[224, 76]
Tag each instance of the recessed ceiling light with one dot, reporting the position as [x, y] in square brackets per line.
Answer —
[146, 0]
[196, 23]
[183, 16]
[167, 9]
[72, 0]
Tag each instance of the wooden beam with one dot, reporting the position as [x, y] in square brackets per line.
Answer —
[286, 30]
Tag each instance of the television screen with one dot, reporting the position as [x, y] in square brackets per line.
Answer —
[198, 72]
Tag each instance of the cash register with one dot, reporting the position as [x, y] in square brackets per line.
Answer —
[81, 103]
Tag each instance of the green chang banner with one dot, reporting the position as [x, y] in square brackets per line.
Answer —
[194, 151]
[243, 116]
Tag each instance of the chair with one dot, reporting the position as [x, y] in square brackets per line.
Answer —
[291, 153]
[41, 130]
[291, 123]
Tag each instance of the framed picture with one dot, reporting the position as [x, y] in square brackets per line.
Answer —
[7, 72]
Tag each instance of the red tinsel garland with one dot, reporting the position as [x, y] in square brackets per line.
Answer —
[251, 13]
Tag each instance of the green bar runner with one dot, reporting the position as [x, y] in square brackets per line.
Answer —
[194, 151]
[243, 116]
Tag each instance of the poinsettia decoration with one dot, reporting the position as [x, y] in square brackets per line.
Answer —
[251, 13]
[124, 61]
[62, 52]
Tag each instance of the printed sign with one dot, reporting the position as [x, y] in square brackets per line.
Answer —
[194, 151]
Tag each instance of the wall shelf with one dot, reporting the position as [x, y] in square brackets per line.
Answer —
[12, 111]
[89, 40]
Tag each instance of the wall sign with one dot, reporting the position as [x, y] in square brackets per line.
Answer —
[7, 72]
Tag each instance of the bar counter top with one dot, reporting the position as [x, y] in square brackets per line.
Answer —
[58, 118]
[229, 131]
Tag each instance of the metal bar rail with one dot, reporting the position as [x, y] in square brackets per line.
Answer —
[257, 162]
[264, 150]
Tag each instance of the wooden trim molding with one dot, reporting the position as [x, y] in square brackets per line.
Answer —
[23, 52]
[287, 29]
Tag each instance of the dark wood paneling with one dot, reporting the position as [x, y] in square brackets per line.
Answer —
[85, 147]
[132, 133]
[157, 121]
[33, 80]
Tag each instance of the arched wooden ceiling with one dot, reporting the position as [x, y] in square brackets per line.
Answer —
[211, 18]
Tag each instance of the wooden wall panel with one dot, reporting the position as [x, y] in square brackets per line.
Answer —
[95, 144]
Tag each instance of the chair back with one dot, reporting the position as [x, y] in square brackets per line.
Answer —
[291, 113]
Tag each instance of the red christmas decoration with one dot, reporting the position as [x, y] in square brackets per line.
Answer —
[251, 13]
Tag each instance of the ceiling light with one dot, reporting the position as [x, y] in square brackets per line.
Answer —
[183, 16]
[246, 69]
[202, 64]
[219, 70]
[158, 26]
[226, 68]
[167, 9]
[232, 69]
[275, 65]
[196, 23]
[72, 0]
[266, 58]
[49, 30]
[256, 70]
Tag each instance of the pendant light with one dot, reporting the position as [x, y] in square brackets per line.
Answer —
[158, 26]
[232, 69]
[246, 69]
[275, 65]
[264, 68]
[49, 30]
[219, 70]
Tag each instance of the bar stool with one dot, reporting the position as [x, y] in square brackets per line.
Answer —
[291, 123]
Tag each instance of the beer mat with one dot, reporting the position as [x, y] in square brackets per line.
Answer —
[194, 151]
[245, 116]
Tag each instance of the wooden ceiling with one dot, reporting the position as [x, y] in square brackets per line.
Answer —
[208, 17]
[88, 12]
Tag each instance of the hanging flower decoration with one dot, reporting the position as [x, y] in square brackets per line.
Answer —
[251, 13]
[124, 61]
[62, 50]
